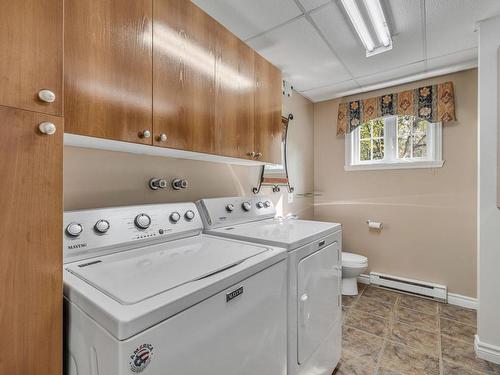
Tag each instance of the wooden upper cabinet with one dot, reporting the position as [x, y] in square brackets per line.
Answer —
[31, 233]
[234, 96]
[108, 68]
[184, 43]
[31, 48]
[268, 99]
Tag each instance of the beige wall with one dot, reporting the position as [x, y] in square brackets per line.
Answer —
[429, 215]
[94, 178]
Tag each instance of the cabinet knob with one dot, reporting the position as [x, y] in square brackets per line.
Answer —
[162, 137]
[47, 128]
[145, 134]
[251, 154]
[258, 155]
[46, 96]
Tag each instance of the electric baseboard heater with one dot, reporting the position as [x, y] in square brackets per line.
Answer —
[420, 288]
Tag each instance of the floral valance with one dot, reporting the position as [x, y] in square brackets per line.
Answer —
[434, 103]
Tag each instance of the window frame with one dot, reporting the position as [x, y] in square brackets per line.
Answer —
[434, 157]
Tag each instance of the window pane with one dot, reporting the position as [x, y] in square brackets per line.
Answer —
[420, 126]
[404, 126]
[364, 150]
[378, 128]
[404, 147]
[419, 145]
[378, 149]
[364, 131]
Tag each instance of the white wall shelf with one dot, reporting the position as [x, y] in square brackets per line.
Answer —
[75, 140]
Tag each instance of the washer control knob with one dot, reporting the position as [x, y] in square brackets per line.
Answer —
[175, 217]
[189, 215]
[101, 226]
[260, 205]
[142, 221]
[74, 229]
[267, 204]
[230, 207]
[246, 206]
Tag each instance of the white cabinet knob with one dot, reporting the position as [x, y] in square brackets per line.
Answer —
[46, 96]
[145, 134]
[162, 137]
[47, 128]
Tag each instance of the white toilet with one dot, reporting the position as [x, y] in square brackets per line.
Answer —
[353, 265]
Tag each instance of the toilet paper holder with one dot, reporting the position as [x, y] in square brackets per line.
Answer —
[374, 224]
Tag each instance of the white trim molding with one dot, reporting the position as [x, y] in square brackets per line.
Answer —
[364, 279]
[402, 165]
[486, 351]
[463, 301]
[400, 81]
[453, 298]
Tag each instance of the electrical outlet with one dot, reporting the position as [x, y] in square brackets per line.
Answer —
[290, 197]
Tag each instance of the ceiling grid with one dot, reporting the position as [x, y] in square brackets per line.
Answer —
[315, 46]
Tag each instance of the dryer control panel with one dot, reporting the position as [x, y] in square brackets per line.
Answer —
[99, 231]
[221, 212]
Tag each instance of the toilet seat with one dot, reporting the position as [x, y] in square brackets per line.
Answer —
[353, 260]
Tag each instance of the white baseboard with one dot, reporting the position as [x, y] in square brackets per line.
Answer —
[453, 298]
[364, 279]
[486, 351]
[463, 301]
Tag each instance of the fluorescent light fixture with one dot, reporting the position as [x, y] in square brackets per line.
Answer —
[359, 24]
[383, 40]
[377, 17]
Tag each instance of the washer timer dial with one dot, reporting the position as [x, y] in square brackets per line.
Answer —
[142, 221]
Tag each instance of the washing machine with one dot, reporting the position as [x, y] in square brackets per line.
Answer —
[145, 291]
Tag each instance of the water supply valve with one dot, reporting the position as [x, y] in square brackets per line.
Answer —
[179, 183]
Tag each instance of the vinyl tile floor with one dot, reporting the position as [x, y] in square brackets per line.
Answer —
[390, 333]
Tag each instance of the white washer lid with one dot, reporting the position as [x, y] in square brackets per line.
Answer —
[350, 259]
[133, 276]
[289, 234]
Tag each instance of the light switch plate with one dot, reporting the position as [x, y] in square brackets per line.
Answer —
[290, 197]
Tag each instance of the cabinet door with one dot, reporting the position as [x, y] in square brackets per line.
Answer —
[234, 96]
[108, 68]
[31, 54]
[268, 128]
[184, 76]
[31, 244]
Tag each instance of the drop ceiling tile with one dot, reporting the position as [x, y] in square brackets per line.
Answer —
[407, 37]
[450, 24]
[248, 18]
[331, 91]
[312, 4]
[301, 54]
[469, 56]
[393, 74]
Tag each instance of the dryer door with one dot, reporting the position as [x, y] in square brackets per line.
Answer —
[318, 304]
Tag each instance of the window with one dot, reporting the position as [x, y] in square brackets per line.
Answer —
[396, 142]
